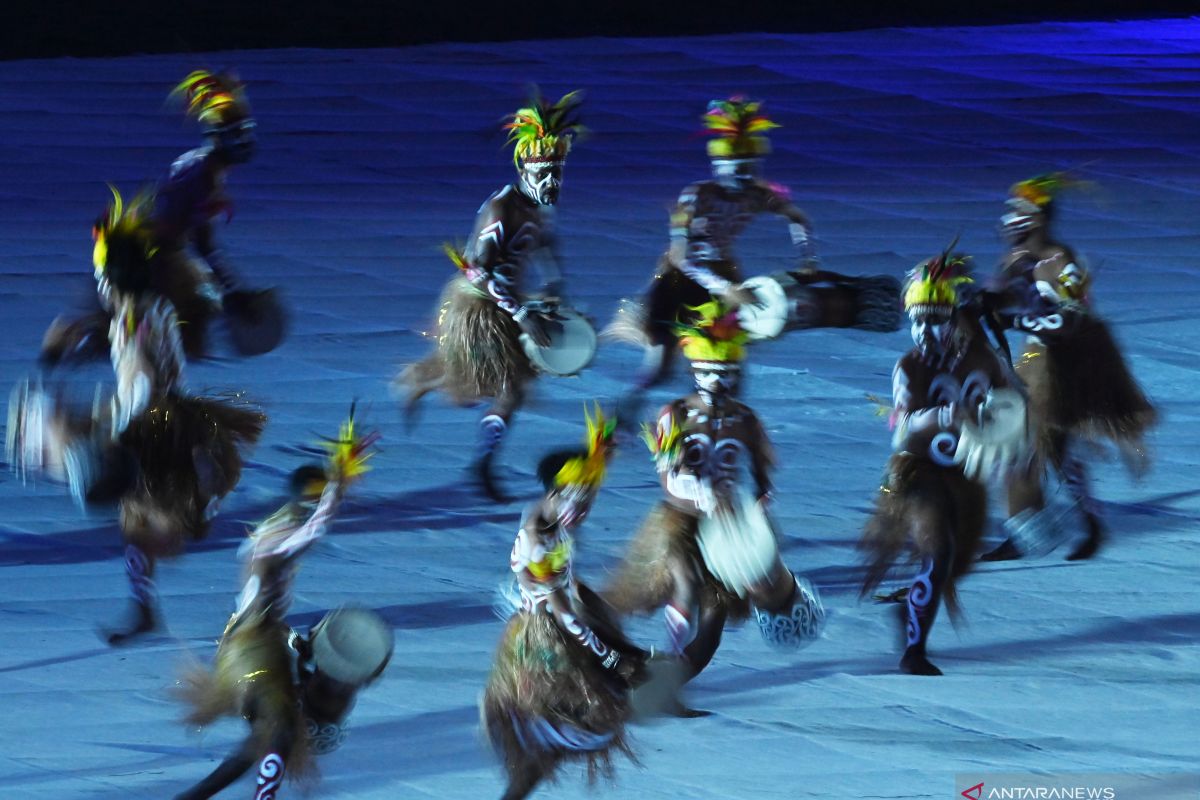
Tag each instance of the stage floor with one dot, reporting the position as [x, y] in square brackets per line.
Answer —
[895, 142]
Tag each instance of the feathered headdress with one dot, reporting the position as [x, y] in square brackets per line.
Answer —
[933, 284]
[349, 452]
[737, 127]
[541, 132]
[716, 335]
[587, 469]
[122, 236]
[665, 441]
[217, 101]
[456, 254]
[1040, 190]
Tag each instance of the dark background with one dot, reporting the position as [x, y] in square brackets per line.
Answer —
[117, 27]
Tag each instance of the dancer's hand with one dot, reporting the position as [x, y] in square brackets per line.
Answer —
[531, 325]
[737, 295]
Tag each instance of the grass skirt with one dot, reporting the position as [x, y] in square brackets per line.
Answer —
[926, 510]
[1081, 384]
[548, 701]
[252, 677]
[174, 441]
[478, 353]
[645, 583]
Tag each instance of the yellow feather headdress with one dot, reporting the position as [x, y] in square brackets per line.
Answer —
[716, 335]
[349, 452]
[665, 440]
[123, 233]
[541, 132]
[933, 284]
[1040, 190]
[217, 101]
[737, 127]
[588, 470]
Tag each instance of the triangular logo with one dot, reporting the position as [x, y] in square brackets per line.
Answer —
[974, 793]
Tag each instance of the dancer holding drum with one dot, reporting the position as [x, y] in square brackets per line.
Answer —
[700, 263]
[294, 691]
[956, 425]
[166, 455]
[708, 552]
[189, 267]
[492, 341]
[1079, 385]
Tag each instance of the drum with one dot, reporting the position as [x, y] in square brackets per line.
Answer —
[257, 320]
[352, 645]
[739, 545]
[808, 298]
[784, 304]
[999, 442]
[572, 343]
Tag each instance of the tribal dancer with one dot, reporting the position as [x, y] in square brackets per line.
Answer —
[168, 456]
[700, 264]
[1079, 385]
[708, 552]
[186, 202]
[294, 691]
[482, 316]
[930, 502]
[559, 688]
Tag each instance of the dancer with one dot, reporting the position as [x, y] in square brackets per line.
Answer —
[708, 553]
[1079, 385]
[482, 316]
[948, 392]
[559, 688]
[700, 264]
[169, 457]
[294, 691]
[189, 266]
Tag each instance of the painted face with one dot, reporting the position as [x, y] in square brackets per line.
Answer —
[737, 170]
[931, 332]
[1021, 220]
[541, 181]
[573, 504]
[715, 380]
[237, 141]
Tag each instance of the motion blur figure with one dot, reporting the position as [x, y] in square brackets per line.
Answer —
[167, 456]
[708, 553]
[559, 687]
[929, 504]
[294, 691]
[1080, 387]
[482, 314]
[189, 267]
[700, 264]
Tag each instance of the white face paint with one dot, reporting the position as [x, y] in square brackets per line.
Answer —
[541, 181]
[1021, 220]
[574, 503]
[931, 333]
[736, 170]
[715, 380]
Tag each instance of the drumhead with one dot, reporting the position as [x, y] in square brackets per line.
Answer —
[767, 319]
[257, 320]
[572, 344]
[352, 645]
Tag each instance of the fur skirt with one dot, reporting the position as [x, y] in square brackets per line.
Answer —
[548, 701]
[478, 352]
[1081, 384]
[924, 510]
[645, 582]
[188, 452]
[252, 678]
